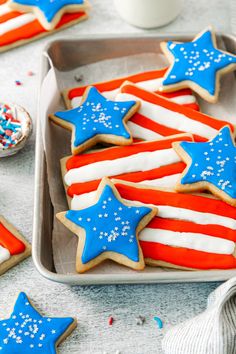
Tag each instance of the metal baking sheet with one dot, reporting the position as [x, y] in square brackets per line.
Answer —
[66, 55]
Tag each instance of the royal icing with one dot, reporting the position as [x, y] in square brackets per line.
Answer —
[191, 230]
[150, 81]
[49, 8]
[27, 332]
[194, 241]
[97, 115]
[198, 61]
[166, 118]
[4, 254]
[133, 163]
[10, 242]
[213, 162]
[144, 161]
[110, 226]
[17, 27]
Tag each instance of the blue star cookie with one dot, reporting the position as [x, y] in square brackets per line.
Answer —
[49, 12]
[96, 120]
[27, 332]
[210, 165]
[108, 229]
[197, 64]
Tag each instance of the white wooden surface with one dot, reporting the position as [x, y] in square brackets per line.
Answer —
[91, 305]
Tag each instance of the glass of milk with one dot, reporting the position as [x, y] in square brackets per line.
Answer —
[148, 13]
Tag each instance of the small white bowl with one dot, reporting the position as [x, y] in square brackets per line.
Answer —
[20, 114]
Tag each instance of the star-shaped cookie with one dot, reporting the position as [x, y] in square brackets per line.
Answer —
[49, 12]
[197, 64]
[210, 166]
[27, 332]
[96, 120]
[108, 229]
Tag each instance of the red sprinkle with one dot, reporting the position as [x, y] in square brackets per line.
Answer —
[18, 83]
[8, 132]
[30, 73]
[110, 320]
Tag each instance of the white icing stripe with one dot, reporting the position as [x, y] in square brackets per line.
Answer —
[168, 212]
[143, 161]
[166, 181]
[194, 241]
[170, 118]
[4, 9]
[149, 85]
[4, 254]
[16, 22]
[185, 99]
[197, 217]
[142, 133]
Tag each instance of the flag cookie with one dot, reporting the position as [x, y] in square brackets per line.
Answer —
[158, 117]
[26, 331]
[189, 232]
[48, 12]
[108, 229]
[19, 28]
[210, 166]
[97, 119]
[153, 163]
[13, 247]
[197, 65]
[149, 80]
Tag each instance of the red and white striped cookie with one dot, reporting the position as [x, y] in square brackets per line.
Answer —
[19, 28]
[159, 117]
[13, 247]
[150, 80]
[153, 163]
[190, 231]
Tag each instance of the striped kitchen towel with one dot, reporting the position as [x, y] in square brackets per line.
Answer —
[211, 332]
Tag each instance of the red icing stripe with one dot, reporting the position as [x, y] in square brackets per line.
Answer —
[85, 187]
[34, 28]
[185, 201]
[158, 100]
[186, 257]
[188, 226]
[9, 241]
[119, 152]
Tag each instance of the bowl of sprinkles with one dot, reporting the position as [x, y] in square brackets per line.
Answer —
[15, 128]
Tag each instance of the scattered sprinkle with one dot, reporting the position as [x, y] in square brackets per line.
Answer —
[30, 73]
[140, 320]
[159, 322]
[78, 77]
[110, 320]
[18, 83]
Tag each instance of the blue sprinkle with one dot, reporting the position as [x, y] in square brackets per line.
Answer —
[159, 322]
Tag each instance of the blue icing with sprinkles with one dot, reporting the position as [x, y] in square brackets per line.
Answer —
[213, 162]
[110, 226]
[97, 115]
[27, 332]
[49, 7]
[197, 61]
